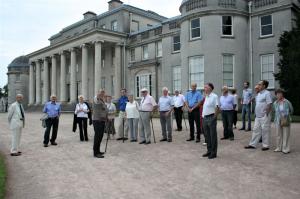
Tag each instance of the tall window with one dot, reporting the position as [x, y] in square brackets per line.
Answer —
[103, 82]
[132, 54]
[266, 26]
[228, 61]
[267, 69]
[196, 67]
[227, 26]
[114, 25]
[176, 78]
[176, 43]
[158, 49]
[143, 81]
[145, 52]
[195, 28]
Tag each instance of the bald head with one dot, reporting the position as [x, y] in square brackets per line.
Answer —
[194, 86]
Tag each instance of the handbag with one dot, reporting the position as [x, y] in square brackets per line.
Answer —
[43, 119]
[284, 122]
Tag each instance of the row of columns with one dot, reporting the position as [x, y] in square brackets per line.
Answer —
[35, 78]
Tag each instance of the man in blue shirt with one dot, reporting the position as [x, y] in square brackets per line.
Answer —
[123, 127]
[53, 110]
[193, 101]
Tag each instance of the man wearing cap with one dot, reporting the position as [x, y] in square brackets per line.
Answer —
[148, 104]
[123, 127]
[179, 101]
[193, 101]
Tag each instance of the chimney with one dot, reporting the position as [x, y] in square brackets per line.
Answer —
[88, 15]
[113, 4]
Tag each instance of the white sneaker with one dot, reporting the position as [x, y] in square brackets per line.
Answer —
[204, 143]
[277, 150]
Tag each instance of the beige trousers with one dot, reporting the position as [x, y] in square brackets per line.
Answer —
[283, 138]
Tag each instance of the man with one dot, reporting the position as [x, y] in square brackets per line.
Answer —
[100, 115]
[148, 104]
[123, 127]
[210, 114]
[53, 110]
[193, 101]
[179, 101]
[246, 109]
[16, 119]
[227, 105]
[166, 105]
[262, 124]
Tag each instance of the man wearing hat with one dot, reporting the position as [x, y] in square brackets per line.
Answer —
[148, 104]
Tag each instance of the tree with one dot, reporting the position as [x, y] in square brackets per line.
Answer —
[289, 64]
[5, 91]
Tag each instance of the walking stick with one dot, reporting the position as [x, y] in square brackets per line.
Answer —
[123, 129]
[184, 120]
[107, 131]
[152, 129]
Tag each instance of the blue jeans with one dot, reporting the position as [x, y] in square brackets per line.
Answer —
[246, 109]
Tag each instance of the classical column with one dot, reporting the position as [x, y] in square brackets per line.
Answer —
[118, 71]
[73, 86]
[46, 81]
[84, 71]
[98, 67]
[63, 84]
[38, 82]
[31, 85]
[53, 76]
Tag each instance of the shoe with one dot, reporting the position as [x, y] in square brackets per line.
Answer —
[204, 143]
[197, 140]
[191, 139]
[206, 154]
[148, 143]
[125, 138]
[223, 138]
[241, 129]
[265, 148]
[53, 143]
[212, 156]
[101, 153]
[179, 129]
[45, 145]
[231, 139]
[143, 142]
[285, 152]
[120, 139]
[98, 156]
[249, 147]
[86, 140]
[277, 150]
[15, 154]
[163, 140]
[20, 152]
[169, 140]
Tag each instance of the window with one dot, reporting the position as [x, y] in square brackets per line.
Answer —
[158, 31]
[114, 26]
[227, 26]
[132, 54]
[267, 69]
[135, 26]
[103, 82]
[158, 49]
[177, 78]
[196, 67]
[266, 26]
[195, 28]
[143, 81]
[145, 52]
[228, 61]
[176, 43]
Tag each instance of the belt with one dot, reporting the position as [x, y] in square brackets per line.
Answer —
[145, 111]
[211, 115]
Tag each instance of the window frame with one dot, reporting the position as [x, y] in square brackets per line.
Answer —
[233, 68]
[132, 56]
[191, 29]
[199, 87]
[180, 80]
[112, 25]
[260, 26]
[261, 68]
[143, 52]
[222, 24]
[156, 49]
[173, 44]
[137, 92]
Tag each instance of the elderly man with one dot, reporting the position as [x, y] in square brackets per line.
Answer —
[166, 105]
[246, 109]
[16, 119]
[262, 124]
[53, 110]
[100, 116]
[210, 113]
[193, 101]
[179, 101]
[148, 104]
[123, 126]
[227, 105]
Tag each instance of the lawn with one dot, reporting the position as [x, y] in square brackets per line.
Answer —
[2, 177]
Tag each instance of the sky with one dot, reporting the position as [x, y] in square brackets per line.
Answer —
[26, 25]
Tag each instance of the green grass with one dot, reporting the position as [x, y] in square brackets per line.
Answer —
[2, 177]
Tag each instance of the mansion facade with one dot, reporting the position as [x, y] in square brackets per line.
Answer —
[225, 42]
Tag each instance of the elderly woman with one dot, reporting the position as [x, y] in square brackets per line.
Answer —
[132, 115]
[82, 111]
[283, 110]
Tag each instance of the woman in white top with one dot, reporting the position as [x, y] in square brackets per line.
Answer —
[132, 115]
[81, 111]
[110, 126]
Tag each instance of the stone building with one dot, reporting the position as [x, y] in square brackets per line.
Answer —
[225, 42]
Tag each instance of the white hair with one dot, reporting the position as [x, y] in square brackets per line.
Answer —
[80, 96]
[52, 96]
[19, 95]
[165, 89]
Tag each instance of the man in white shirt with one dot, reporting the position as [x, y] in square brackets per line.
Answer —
[262, 124]
[210, 113]
[179, 101]
[148, 104]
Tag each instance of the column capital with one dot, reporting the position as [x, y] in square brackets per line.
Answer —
[46, 59]
[97, 41]
[53, 56]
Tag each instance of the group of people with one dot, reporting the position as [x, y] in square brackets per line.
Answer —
[136, 117]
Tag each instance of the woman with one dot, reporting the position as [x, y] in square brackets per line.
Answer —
[82, 111]
[283, 110]
[132, 114]
[110, 128]
[236, 99]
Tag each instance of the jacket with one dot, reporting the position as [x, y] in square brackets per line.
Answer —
[15, 116]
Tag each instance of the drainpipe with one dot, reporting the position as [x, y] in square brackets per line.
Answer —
[124, 64]
[130, 22]
[250, 43]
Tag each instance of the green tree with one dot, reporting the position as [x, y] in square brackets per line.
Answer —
[289, 64]
[5, 91]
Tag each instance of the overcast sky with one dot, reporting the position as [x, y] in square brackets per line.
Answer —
[26, 25]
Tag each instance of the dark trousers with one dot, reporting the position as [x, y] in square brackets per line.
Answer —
[51, 122]
[235, 117]
[178, 116]
[246, 110]
[82, 122]
[194, 117]
[227, 118]
[210, 129]
[99, 127]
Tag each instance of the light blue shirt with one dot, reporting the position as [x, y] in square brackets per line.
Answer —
[227, 102]
[165, 103]
[247, 96]
[193, 98]
[52, 109]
